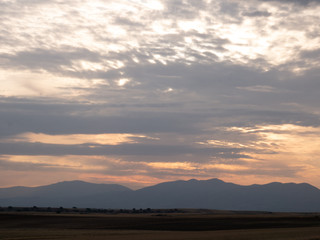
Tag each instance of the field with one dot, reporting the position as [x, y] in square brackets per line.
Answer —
[186, 226]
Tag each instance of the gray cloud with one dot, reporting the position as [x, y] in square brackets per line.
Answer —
[142, 118]
[27, 166]
[50, 60]
[311, 54]
[126, 21]
[40, 149]
[230, 8]
[220, 96]
[299, 2]
[129, 122]
[184, 9]
[256, 14]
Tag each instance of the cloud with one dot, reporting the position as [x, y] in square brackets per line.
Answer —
[257, 14]
[130, 122]
[186, 75]
[184, 9]
[7, 165]
[298, 2]
[120, 150]
[49, 60]
[311, 54]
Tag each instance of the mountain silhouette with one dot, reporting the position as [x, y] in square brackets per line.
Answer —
[66, 194]
[210, 194]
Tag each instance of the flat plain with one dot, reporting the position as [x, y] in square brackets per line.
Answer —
[224, 226]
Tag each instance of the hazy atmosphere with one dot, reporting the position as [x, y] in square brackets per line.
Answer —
[138, 92]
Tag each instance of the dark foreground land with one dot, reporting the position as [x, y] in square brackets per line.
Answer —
[188, 225]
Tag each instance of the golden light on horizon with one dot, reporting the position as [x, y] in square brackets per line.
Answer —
[189, 166]
[294, 146]
[172, 165]
[133, 181]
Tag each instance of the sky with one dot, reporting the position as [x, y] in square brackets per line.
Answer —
[138, 92]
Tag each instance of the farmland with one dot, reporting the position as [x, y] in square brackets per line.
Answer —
[185, 225]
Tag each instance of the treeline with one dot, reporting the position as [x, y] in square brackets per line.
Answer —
[88, 210]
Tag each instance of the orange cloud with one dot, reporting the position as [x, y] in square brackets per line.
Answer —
[105, 139]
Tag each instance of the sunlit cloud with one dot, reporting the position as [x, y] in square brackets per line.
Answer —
[104, 139]
[176, 165]
[195, 166]
[27, 83]
[222, 143]
[296, 146]
[92, 25]
[149, 4]
[228, 167]
[123, 81]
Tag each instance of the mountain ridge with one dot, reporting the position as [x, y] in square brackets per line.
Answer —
[211, 194]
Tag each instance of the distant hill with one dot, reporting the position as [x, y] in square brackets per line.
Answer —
[210, 194]
[66, 194]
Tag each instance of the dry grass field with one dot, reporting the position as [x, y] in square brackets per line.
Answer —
[18, 226]
[88, 234]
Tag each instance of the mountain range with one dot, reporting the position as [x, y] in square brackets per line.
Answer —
[208, 194]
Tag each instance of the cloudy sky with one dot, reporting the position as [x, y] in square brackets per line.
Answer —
[139, 92]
